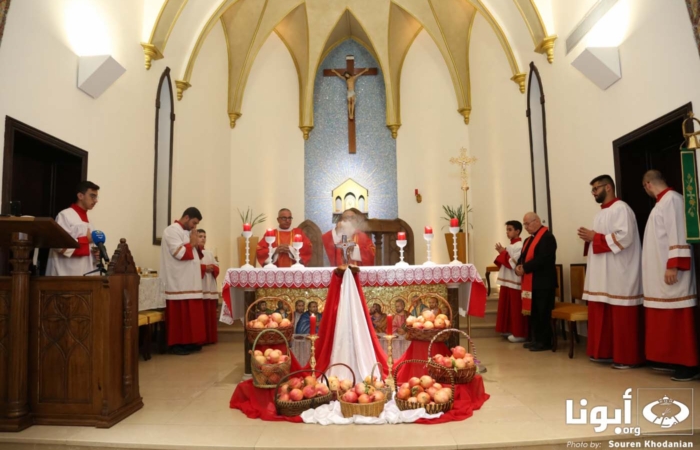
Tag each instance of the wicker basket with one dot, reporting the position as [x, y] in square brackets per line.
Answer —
[373, 409]
[270, 339]
[404, 405]
[339, 392]
[291, 409]
[266, 376]
[386, 390]
[415, 334]
[440, 373]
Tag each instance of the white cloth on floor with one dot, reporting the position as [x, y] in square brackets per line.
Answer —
[330, 414]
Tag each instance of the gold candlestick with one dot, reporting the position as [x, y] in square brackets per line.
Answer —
[312, 360]
[390, 362]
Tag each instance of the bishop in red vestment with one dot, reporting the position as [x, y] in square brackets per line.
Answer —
[348, 225]
[284, 254]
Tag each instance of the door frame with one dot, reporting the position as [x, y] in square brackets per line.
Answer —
[13, 126]
[676, 114]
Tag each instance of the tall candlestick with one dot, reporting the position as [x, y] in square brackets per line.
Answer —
[389, 324]
[312, 324]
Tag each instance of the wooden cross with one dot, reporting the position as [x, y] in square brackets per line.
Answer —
[350, 75]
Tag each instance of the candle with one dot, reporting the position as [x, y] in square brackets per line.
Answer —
[389, 324]
[401, 236]
[428, 230]
[416, 191]
[246, 227]
[454, 222]
[297, 238]
[270, 232]
[312, 324]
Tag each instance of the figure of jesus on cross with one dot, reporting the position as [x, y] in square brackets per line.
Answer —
[350, 76]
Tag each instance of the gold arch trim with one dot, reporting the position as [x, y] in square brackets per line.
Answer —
[544, 43]
[154, 49]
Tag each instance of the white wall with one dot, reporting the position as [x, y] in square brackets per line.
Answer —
[38, 72]
[432, 132]
[267, 147]
[660, 67]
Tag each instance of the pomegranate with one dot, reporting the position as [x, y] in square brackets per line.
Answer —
[251, 323]
[284, 358]
[405, 385]
[273, 378]
[284, 389]
[285, 323]
[447, 323]
[310, 381]
[296, 383]
[257, 353]
[428, 325]
[423, 398]
[276, 317]
[410, 320]
[437, 358]
[447, 362]
[460, 363]
[260, 360]
[413, 381]
[418, 325]
[447, 391]
[469, 360]
[350, 397]
[415, 390]
[267, 352]
[441, 316]
[404, 393]
[333, 382]
[284, 398]
[439, 323]
[369, 380]
[272, 324]
[309, 391]
[274, 357]
[322, 389]
[428, 316]
[459, 352]
[378, 384]
[263, 319]
[295, 395]
[420, 319]
[437, 386]
[258, 324]
[431, 391]
[426, 381]
[364, 398]
[379, 396]
[345, 385]
[412, 400]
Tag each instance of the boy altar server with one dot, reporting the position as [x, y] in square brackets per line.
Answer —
[510, 319]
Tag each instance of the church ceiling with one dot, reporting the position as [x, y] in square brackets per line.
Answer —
[310, 29]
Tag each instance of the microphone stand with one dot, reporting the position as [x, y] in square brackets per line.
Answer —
[100, 268]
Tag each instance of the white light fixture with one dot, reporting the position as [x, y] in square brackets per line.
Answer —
[601, 65]
[97, 73]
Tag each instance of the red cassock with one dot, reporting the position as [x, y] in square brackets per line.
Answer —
[283, 259]
[335, 255]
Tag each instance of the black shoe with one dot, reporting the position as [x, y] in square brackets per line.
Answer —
[193, 347]
[684, 373]
[528, 344]
[179, 350]
[662, 367]
[540, 348]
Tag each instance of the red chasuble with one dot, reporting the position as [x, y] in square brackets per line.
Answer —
[283, 259]
[335, 255]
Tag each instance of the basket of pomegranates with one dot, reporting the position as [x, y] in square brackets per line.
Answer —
[265, 319]
[295, 395]
[365, 399]
[337, 385]
[423, 392]
[427, 324]
[460, 364]
[269, 367]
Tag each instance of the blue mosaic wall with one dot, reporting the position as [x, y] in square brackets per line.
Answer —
[327, 162]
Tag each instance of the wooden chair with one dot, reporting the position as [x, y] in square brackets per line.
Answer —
[314, 233]
[147, 321]
[489, 270]
[571, 312]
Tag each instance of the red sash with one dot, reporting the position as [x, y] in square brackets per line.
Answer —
[527, 277]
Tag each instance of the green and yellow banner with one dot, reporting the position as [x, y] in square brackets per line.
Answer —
[690, 195]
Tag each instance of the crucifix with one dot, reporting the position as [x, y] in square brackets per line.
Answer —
[350, 75]
[463, 161]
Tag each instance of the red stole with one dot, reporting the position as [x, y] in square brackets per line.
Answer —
[526, 285]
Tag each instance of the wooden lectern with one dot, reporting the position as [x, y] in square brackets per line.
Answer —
[68, 345]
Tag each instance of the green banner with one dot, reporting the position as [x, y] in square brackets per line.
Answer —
[690, 195]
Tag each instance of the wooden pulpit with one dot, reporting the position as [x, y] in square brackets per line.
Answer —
[68, 345]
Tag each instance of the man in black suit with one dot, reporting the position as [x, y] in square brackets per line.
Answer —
[537, 266]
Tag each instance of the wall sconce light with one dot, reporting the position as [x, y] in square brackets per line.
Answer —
[419, 198]
[601, 65]
[97, 73]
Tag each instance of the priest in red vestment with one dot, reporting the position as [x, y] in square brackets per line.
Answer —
[284, 254]
[349, 225]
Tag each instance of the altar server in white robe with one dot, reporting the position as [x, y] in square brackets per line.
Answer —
[76, 261]
[668, 272]
[210, 292]
[510, 319]
[181, 272]
[613, 286]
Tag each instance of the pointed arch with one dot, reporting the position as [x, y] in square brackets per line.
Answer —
[163, 165]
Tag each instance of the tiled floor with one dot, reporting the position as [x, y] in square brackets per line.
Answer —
[186, 406]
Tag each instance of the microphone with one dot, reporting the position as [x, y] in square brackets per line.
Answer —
[98, 238]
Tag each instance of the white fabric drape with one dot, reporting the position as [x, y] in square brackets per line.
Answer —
[330, 415]
[352, 342]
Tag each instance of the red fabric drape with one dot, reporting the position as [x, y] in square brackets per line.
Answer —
[326, 332]
[477, 300]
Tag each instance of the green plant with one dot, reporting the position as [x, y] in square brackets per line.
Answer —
[248, 217]
[455, 213]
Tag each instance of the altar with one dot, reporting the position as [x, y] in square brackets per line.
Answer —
[385, 286]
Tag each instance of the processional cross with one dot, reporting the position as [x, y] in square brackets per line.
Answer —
[350, 76]
[463, 161]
